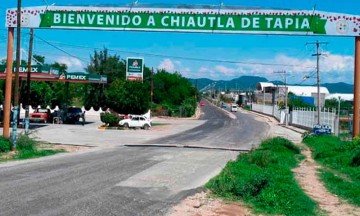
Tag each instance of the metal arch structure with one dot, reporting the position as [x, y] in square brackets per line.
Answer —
[186, 18]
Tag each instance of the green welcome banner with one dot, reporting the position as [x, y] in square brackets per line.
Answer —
[188, 19]
[190, 22]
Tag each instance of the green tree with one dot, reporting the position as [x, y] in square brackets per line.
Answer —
[40, 60]
[172, 88]
[103, 64]
[60, 67]
[334, 103]
[41, 94]
[128, 97]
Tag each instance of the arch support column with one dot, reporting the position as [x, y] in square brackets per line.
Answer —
[8, 83]
[356, 119]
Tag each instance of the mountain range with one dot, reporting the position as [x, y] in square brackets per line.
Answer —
[248, 83]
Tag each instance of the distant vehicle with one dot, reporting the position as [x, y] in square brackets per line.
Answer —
[73, 115]
[223, 105]
[40, 115]
[234, 108]
[202, 103]
[136, 122]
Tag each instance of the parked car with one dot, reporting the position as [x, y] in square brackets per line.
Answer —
[202, 103]
[223, 105]
[234, 108]
[136, 122]
[72, 115]
[41, 115]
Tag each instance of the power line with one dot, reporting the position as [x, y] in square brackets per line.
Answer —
[60, 49]
[185, 58]
[166, 56]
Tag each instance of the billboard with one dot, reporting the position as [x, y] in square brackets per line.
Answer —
[134, 68]
[82, 77]
[23, 68]
[188, 19]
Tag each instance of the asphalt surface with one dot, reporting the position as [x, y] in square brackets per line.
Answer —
[112, 179]
[222, 129]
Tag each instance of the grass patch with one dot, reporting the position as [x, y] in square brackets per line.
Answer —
[263, 179]
[154, 124]
[5, 144]
[341, 160]
[26, 148]
[27, 154]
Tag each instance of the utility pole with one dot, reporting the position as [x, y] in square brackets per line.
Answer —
[16, 85]
[28, 78]
[317, 54]
[286, 98]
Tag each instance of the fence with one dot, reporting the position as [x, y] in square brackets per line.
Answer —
[270, 110]
[90, 112]
[303, 117]
[307, 117]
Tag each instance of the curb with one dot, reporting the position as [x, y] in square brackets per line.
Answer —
[185, 146]
[271, 118]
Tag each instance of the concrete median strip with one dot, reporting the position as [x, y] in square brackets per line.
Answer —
[185, 146]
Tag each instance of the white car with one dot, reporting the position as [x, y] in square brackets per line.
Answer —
[234, 108]
[136, 122]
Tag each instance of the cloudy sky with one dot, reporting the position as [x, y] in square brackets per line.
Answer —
[200, 55]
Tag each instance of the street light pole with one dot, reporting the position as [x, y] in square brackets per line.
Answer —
[286, 98]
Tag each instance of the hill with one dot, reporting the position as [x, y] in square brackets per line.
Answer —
[339, 88]
[245, 83]
[241, 83]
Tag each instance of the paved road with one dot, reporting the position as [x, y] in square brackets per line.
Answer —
[119, 180]
[241, 132]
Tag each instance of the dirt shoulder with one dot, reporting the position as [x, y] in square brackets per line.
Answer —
[202, 204]
[307, 176]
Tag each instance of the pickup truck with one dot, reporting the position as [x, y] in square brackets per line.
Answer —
[136, 122]
[40, 115]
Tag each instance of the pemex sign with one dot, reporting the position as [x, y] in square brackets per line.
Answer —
[134, 68]
[82, 77]
[23, 68]
[187, 19]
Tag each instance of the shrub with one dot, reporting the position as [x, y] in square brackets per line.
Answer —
[24, 142]
[5, 144]
[110, 119]
[355, 161]
[261, 158]
[159, 111]
[189, 107]
[279, 143]
[240, 180]
[263, 179]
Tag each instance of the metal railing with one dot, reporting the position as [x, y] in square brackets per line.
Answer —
[303, 117]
